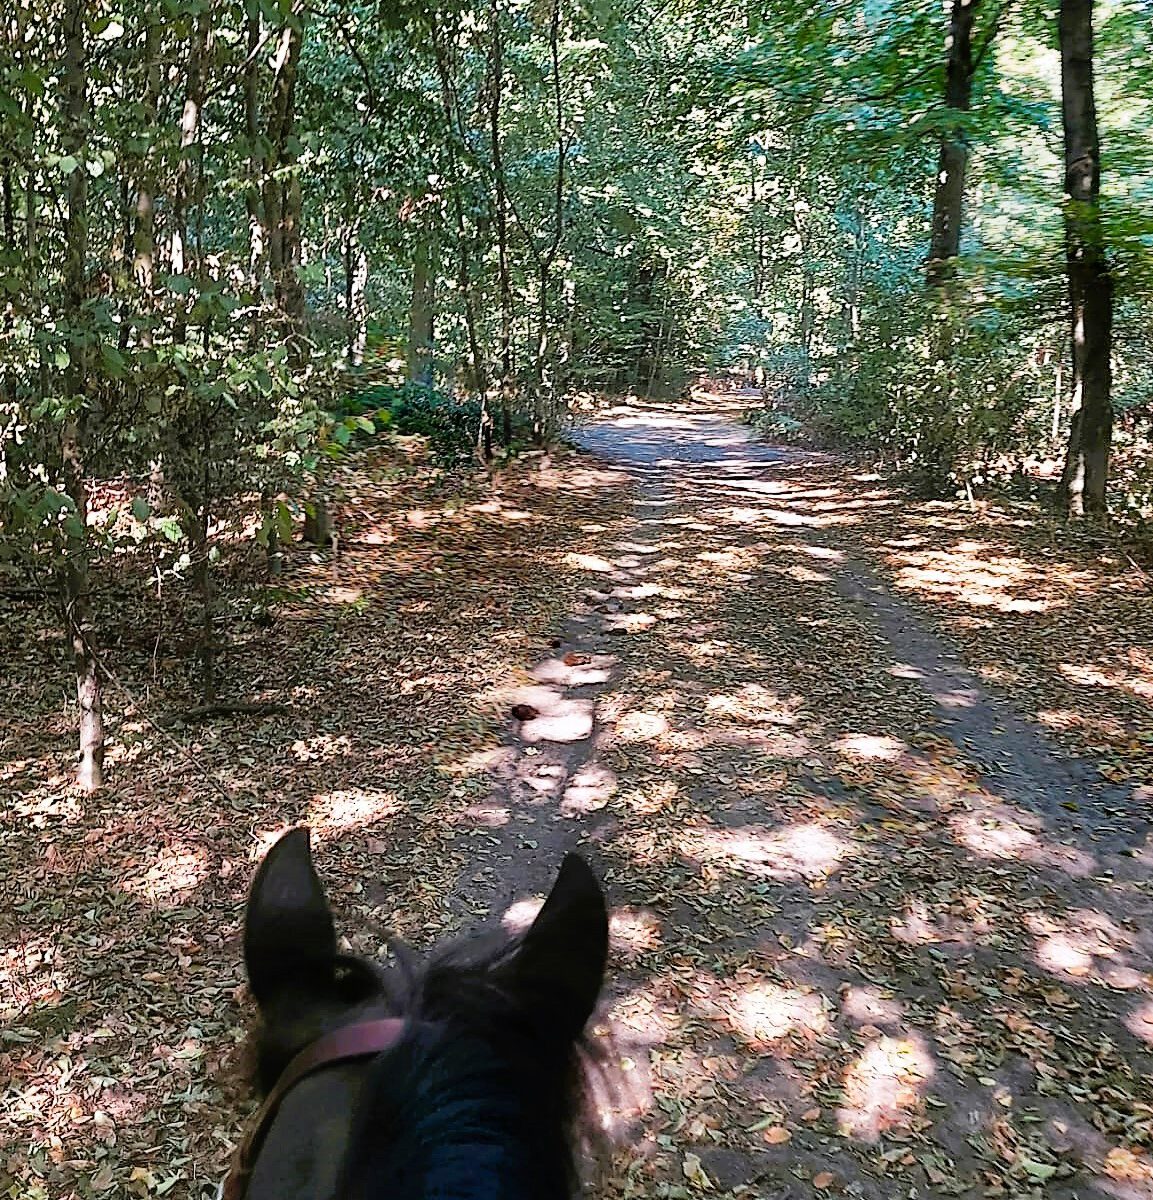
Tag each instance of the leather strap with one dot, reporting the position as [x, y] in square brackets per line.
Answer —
[341, 1045]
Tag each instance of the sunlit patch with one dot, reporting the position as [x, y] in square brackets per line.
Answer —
[177, 869]
[883, 1088]
[1058, 953]
[763, 1013]
[488, 816]
[634, 932]
[344, 595]
[590, 789]
[544, 778]
[642, 1012]
[998, 835]
[993, 836]
[641, 726]
[1139, 1021]
[741, 516]
[630, 622]
[520, 915]
[726, 559]
[320, 748]
[807, 575]
[916, 927]
[968, 572]
[654, 797]
[1091, 676]
[1083, 942]
[871, 746]
[1130, 1165]
[752, 703]
[823, 553]
[351, 808]
[31, 975]
[799, 851]
[63, 806]
[868, 1005]
[564, 720]
[588, 562]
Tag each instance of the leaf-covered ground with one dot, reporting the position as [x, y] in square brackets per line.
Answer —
[876, 932]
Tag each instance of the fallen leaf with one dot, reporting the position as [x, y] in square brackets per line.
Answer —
[695, 1173]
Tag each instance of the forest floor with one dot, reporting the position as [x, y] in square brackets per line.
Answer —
[868, 781]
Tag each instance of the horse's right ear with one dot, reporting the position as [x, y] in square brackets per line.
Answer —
[288, 928]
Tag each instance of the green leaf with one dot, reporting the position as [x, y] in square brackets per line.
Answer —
[140, 509]
[112, 359]
[170, 528]
[1038, 1170]
[68, 164]
[282, 517]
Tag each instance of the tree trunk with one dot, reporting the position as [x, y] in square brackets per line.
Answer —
[190, 123]
[478, 372]
[1084, 481]
[253, 200]
[948, 200]
[504, 278]
[282, 197]
[355, 285]
[422, 312]
[90, 772]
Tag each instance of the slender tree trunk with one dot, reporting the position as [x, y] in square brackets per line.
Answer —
[9, 211]
[144, 232]
[478, 382]
[953, 161]
[90, 773]
[282, 196]
[422, 312]
[253, 200]
[504, 278]
[1085, 478]
[355, 285]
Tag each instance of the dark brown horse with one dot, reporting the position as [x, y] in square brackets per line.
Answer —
[457, 1079]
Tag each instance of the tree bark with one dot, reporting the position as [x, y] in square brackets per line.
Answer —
[282, 197]
[77, 613]
[253, 200]
[422, 312]
[1085, 478]
[355, 285]
[478, 372]
[504, 278]
[953, 161]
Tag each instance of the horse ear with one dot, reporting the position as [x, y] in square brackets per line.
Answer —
[288, 927]
[559, 965]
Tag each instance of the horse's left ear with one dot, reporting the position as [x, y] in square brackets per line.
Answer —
[559, 965]
[288, 928]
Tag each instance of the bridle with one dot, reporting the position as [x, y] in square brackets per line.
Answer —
[341, 1045]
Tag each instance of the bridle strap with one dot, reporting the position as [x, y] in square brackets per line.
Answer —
[341, 1045]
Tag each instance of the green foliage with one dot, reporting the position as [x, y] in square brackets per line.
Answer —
[450, 425]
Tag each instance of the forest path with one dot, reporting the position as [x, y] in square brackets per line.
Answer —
[873, 931]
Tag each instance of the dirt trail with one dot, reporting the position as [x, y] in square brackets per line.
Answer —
[874, 933]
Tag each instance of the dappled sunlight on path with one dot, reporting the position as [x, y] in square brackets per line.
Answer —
[871, 934]
[896, 945]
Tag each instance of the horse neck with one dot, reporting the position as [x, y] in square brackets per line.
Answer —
[453, 1115]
